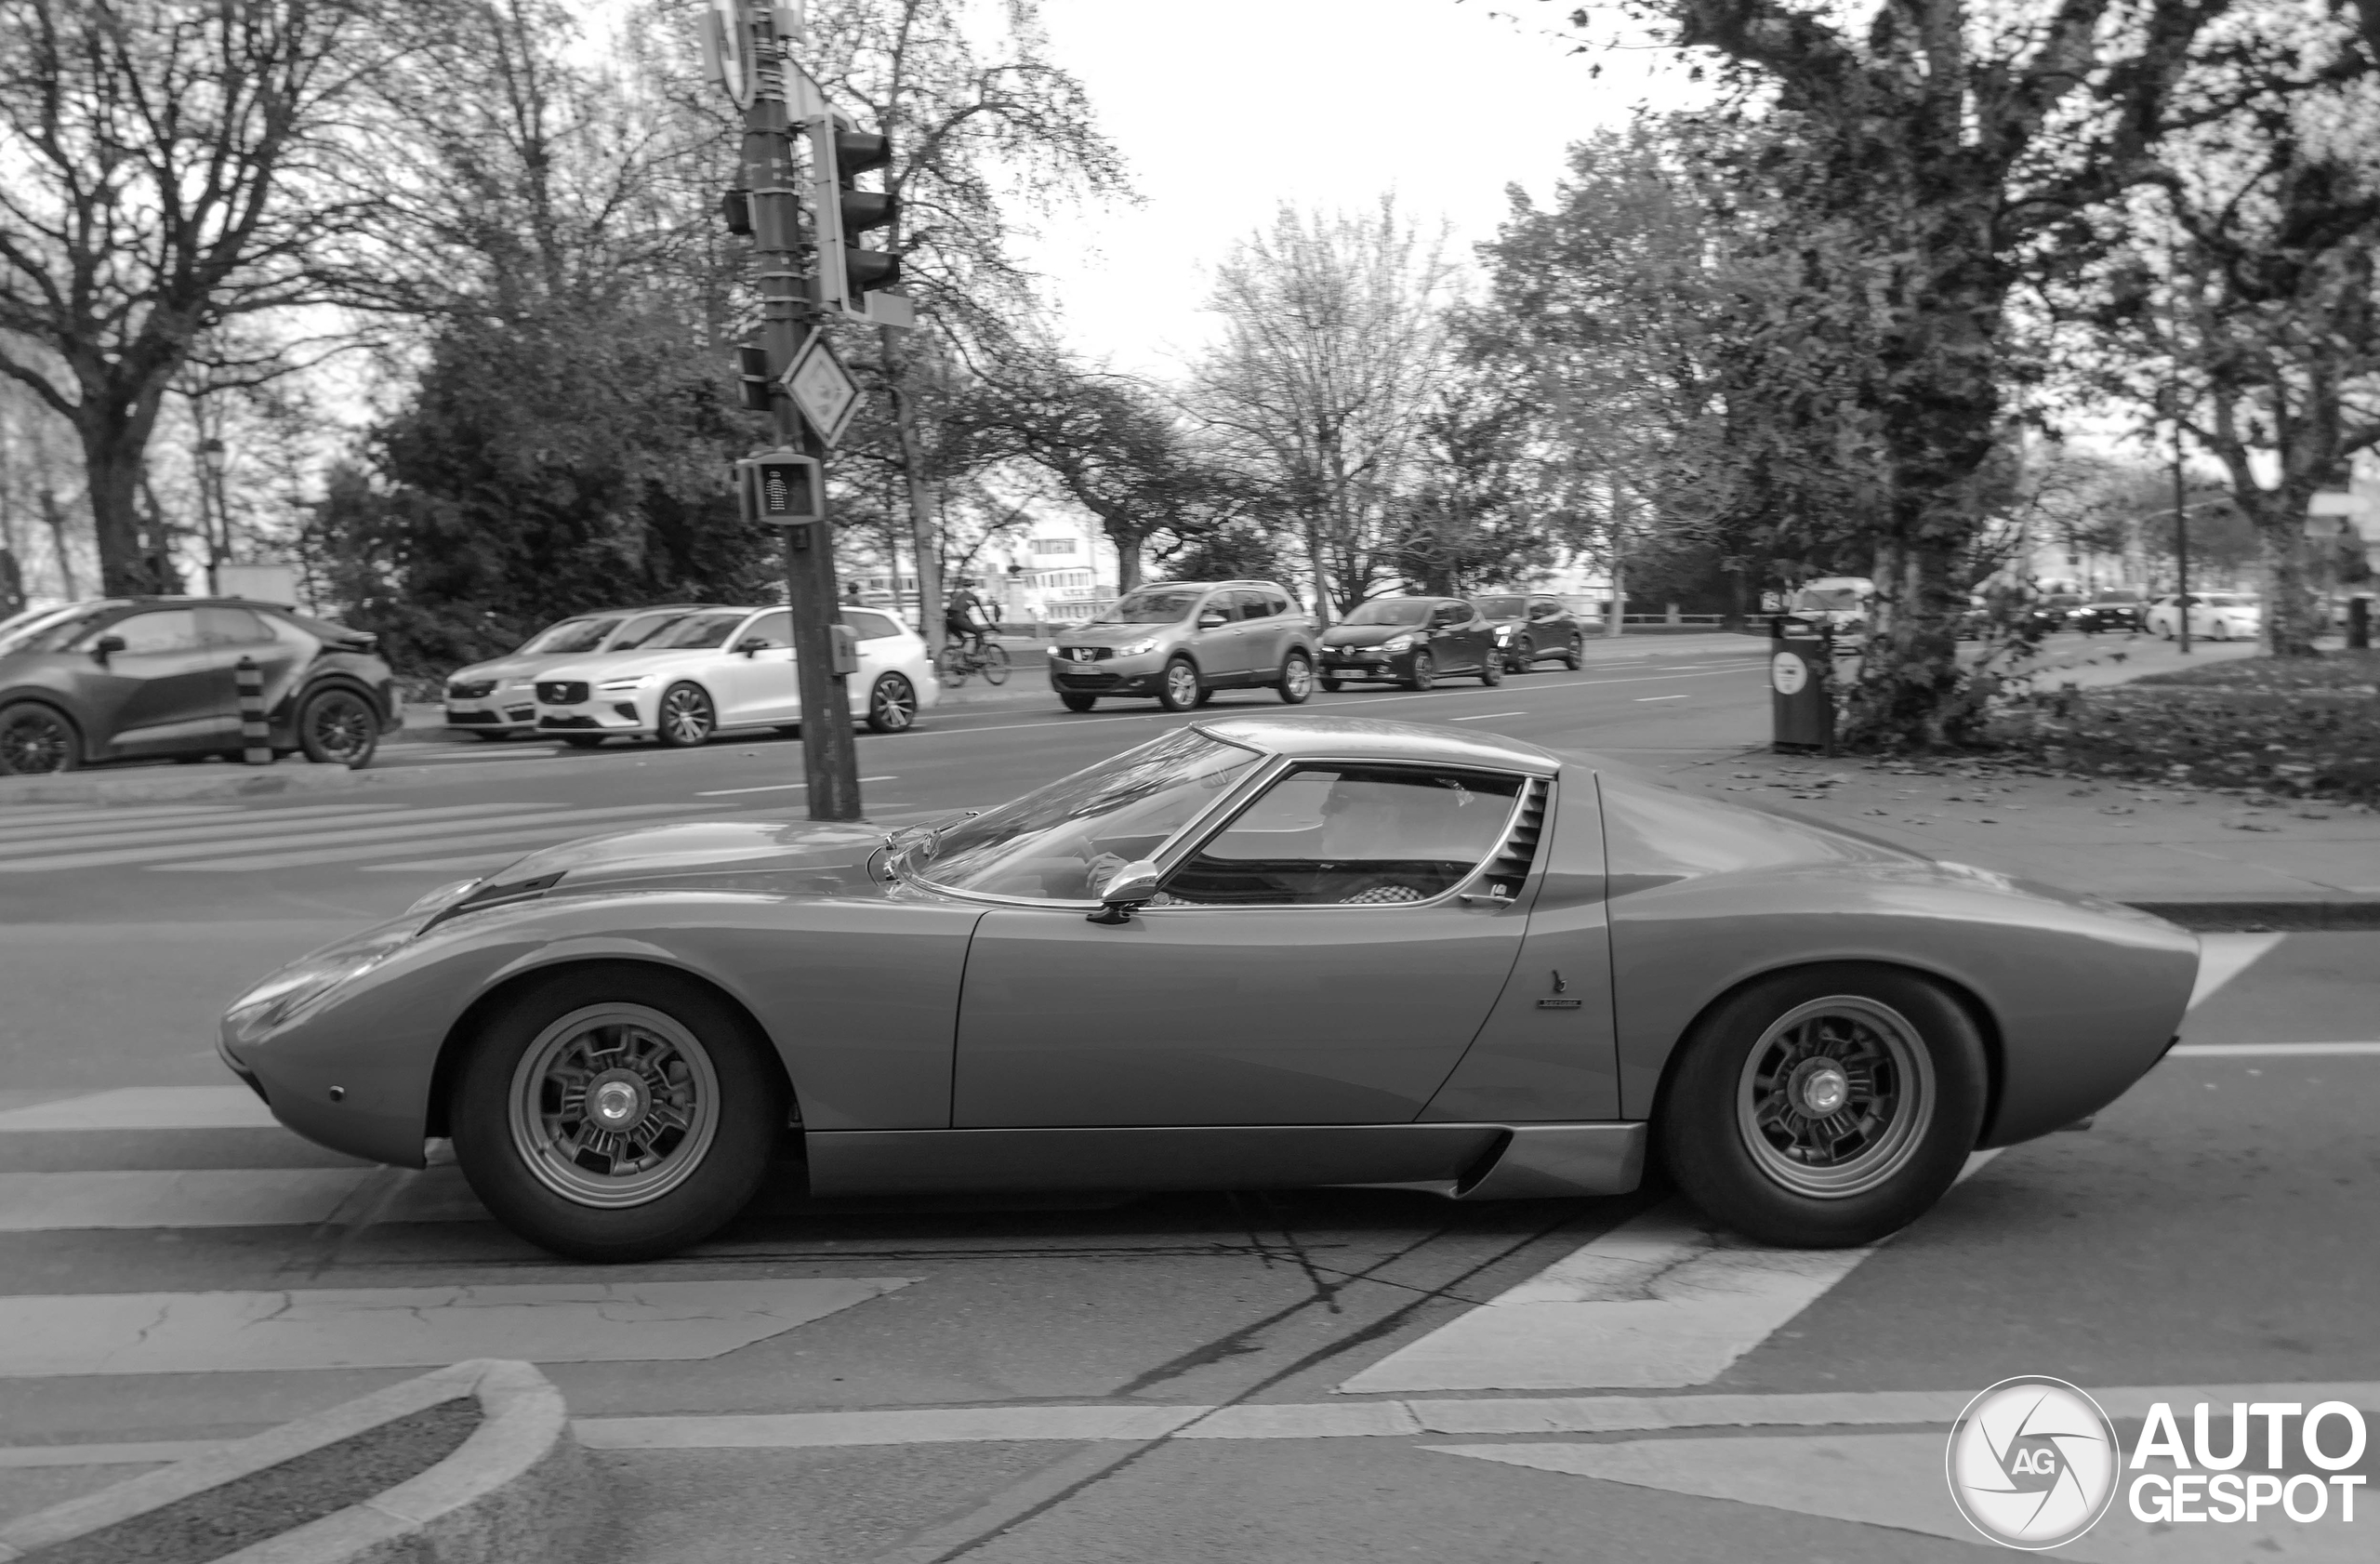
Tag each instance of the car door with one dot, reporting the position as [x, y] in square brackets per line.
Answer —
[167, 691]
[1459, 638]
[1548, 635]
[877, 641]
[1324, 959]
[1216, 642]
[752, 682]
[1265, 630]
[281, 659]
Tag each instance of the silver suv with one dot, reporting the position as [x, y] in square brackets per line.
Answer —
[1183, 641]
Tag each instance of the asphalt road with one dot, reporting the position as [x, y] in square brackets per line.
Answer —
[1309, 1376]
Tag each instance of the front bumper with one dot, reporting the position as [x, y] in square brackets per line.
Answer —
[503, 710]
[599, 713]
[1108, 676]
[1366, 662]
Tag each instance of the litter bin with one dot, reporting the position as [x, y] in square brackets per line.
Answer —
[1801, 661]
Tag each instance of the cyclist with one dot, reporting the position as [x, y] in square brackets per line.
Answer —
[965, 617]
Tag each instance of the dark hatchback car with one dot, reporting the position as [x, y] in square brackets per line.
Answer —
[1532, 627]
[2119, 609]
[120, 679]
[1410, 641]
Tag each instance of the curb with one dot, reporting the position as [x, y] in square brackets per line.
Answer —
[517, 1490]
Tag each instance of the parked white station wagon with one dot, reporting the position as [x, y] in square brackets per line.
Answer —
[719, 671]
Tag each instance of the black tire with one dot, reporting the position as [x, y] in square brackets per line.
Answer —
[1077, 703]
[1912, 1059]
[1329, 685]
[38, 740]
[1491, 672]
[686, 718]
[1573, 654]
[486, 738]
[892, 703]
[706, 1166]
[582, 740]
[1297, 679]
[995, 663]
[950, 665]
[1179, 687]
[1424, 673]
[339, 727]
[1206, 694]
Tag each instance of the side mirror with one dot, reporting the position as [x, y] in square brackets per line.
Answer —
[1213, 619]
[105, 647]
[751, 645]
[1125, 890]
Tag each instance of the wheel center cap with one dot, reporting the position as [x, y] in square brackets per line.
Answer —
[615, 1101]
[1822, 1089]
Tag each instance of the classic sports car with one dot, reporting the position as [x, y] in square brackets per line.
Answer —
[1256, 952]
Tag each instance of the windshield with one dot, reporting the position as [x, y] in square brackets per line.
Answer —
[1157, 605]
[1826, 599]
[1064, 840]
[1502, 607]
[45, 630]
[1391, 611]
[699, 630]
[569, 637]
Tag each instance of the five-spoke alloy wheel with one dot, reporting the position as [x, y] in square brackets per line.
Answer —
[1297, 679]
[1424, 675]
[1825, 1107]
[615, 1113]
[1177, 686]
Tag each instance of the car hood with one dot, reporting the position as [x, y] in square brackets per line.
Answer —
[514, 667]
[799, 858]
[629, 665]
[1115, 635]
[1369, 635]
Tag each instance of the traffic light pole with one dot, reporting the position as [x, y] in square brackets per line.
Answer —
[791, 308]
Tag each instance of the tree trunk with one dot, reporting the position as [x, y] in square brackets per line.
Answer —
[115, 445]
[1321, 575]
[53, 515]
[924, 534]
[2293, 615]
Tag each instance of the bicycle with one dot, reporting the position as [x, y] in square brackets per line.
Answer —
[957, 660]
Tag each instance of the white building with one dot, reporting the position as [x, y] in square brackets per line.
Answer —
[1061, 571]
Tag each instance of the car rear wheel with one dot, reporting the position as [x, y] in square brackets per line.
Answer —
[486, 738]
[1424, 675]
[615, 1114]
[1825, 1107]
[1329, 685]
[1297, 679]
[36, 741]
[582, 740]
[892, 705]
[1574, 655]
[339, 727]
[687, 717]
[1178, 689]
[1077, 703]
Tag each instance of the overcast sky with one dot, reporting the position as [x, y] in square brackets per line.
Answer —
[1226, 108]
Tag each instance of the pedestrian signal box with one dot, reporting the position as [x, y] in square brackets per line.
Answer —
[783, 489]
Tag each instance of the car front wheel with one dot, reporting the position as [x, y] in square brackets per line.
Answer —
[1574, 655]
[1424, 675]
[1077, 703]
[615, 1114]
[1297, 679]
[339, 727]
[687, 717]
[36, 740]
[892, 705]
[1825, 1107]
[1178, 690]
[1491, 672]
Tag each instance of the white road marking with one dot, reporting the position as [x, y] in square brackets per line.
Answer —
[2276, 1050]
[379, 841]
[146, 1108]
[344, 816]
[777, 788]
[1667, 1299]
[1642, 700]
[14, 821]
[898, 1426]
[409, 1327]
[2222, 957]
[50, 1202]
[1484, 716]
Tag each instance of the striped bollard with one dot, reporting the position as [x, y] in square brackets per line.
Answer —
[255, 737]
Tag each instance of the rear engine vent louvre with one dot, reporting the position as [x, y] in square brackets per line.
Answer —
[1508, 871]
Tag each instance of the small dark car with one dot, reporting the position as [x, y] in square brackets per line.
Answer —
[1410, 641]
[120, 678]
[2046, 615]
[1529, 627]
[2118, 609]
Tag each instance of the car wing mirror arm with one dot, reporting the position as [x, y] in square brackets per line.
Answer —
[1127, 889]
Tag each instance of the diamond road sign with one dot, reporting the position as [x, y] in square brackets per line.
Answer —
[822, 388]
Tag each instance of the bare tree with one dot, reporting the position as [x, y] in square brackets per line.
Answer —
[1335, 338]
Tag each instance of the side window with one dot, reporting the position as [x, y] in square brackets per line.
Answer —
[1542, 610]
[1351, 836]
[1226, 603]
[232, 627]
[1450, 613]
[635, 632]
[869, 625]
[1253, 604]
[772, 630]
[170, 630]
[1279, 602]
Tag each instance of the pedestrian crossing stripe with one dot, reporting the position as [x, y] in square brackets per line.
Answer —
[83, 838]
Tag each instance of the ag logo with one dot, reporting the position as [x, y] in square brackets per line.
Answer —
[1788, 672]
[2033, 1463]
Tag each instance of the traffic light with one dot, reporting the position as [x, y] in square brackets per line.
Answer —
[847, 273]
[752, 369]
[782, 489]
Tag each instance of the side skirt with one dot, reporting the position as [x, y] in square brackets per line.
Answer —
[1464, 1161]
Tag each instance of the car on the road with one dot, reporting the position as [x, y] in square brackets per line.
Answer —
[2050, 612]
[1412, 641]
[1253, 953]
[2115, 608]
[1842, 601]
[2214, 615]
[152, 678]
[723, 669]
[499, 698]
[1180, 642]
[1530, 627]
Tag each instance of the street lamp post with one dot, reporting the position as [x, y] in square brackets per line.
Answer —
[2181, 545]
